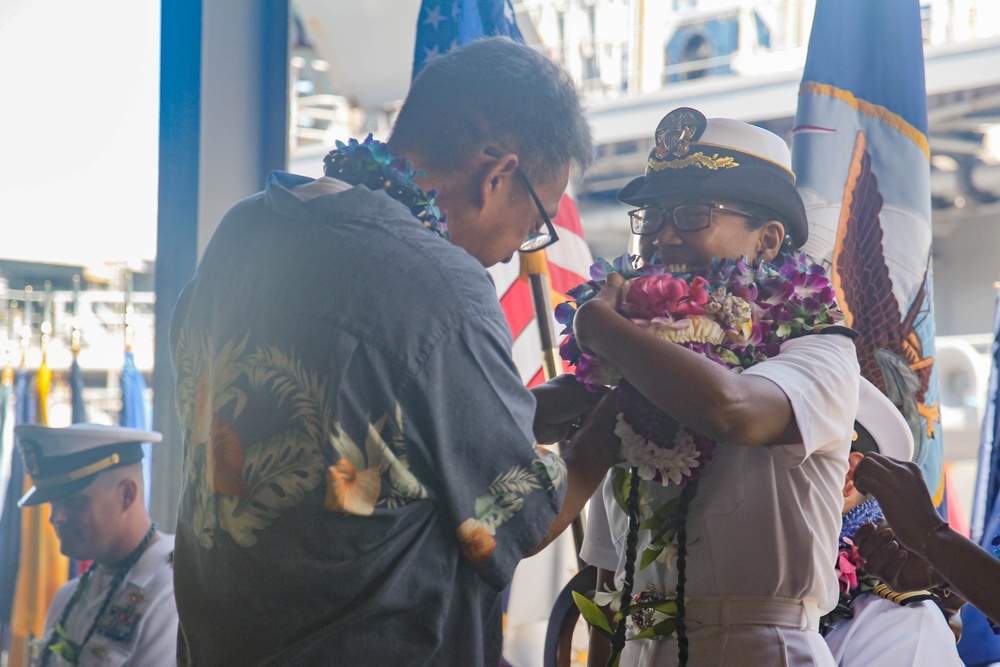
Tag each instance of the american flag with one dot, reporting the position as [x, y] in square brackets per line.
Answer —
[444, 24]
[568, 265]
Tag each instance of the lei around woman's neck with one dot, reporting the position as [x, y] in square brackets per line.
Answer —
[788, 298]
[372, 164]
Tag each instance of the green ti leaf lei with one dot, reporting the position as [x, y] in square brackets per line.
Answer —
[65, 648]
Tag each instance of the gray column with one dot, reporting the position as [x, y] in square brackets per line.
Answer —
[223, 126]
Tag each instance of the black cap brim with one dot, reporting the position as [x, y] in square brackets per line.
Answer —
[37, 496]
[127, 453]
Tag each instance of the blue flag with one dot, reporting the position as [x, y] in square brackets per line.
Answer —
[134, 412]
[860, 154]
[980, 645]
[76, 393]
[10, 522]
[444, 24]
[861, 157]
[8, 452]
[985, 507]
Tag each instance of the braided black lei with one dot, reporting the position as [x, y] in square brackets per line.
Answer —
[59, 642]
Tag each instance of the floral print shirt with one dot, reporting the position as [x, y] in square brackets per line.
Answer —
[359, 472]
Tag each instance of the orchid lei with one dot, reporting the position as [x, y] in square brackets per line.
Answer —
[732, 313]
[372, 164]
[736, 315]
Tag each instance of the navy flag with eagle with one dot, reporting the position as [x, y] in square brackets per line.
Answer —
[861, 157]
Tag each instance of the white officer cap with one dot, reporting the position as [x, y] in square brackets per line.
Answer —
[879, 425]
[63, 461]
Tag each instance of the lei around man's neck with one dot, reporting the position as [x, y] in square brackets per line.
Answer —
[371, 163]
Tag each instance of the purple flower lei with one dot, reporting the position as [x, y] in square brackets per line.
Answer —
[372, 164]
[748, 312]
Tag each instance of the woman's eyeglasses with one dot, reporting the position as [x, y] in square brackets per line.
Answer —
[686, 217]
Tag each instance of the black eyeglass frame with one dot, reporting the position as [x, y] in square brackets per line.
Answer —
[550, 236]
[634, 221]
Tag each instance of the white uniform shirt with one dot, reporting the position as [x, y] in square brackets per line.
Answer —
[885, 634]
[139, 627]
[765, 520]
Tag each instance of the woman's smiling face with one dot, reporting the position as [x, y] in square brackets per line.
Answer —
[728, 233]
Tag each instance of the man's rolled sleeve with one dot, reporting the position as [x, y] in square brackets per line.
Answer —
[474, 419]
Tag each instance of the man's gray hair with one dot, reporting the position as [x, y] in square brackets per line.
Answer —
[500, 93]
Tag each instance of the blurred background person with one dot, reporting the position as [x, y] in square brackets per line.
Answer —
[121, 611]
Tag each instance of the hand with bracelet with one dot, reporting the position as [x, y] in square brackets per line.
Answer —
[887, 559]
[917, 531]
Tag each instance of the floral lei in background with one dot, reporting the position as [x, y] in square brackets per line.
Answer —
[851, 577]
[372, 164]
[732, 313]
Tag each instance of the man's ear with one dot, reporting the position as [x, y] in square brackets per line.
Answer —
[852, 462]
[497, 179]
[130, 492]
[770, 238]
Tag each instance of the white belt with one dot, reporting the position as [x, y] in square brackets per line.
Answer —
[752, 610]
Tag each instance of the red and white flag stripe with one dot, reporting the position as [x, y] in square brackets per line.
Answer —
[569, 263]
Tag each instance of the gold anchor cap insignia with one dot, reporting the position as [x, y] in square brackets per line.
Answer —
[30, 453]
[677, 130]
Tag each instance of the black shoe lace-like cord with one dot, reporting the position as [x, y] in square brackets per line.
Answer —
[631, 541]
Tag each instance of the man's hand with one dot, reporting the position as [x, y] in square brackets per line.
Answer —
[562, 404]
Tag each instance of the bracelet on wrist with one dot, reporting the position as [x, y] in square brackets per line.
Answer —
[923, 542]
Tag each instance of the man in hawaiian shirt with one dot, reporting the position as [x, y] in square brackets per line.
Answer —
[360, 476]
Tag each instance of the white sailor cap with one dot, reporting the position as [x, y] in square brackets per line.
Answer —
[63, 461]
[879, 425]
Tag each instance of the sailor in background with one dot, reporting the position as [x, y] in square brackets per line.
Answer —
[121, 611]
[887, 628]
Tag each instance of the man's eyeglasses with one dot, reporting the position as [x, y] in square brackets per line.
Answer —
[545, 235]
[686, 218]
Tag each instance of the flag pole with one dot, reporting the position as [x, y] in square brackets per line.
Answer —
[534, 267]
[25, 334]
[76, 334]
[129, 328]
[46, 326]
